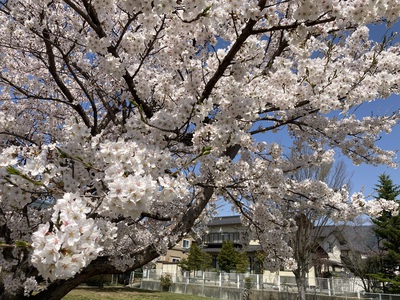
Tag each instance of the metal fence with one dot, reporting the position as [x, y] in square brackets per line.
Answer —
[376, 296]
[346, 287]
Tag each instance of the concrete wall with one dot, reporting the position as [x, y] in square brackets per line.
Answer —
[231, 293]
[150, 285]
[207, 291]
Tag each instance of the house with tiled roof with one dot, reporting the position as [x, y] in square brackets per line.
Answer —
[230, 228]
[337, 243]
[334, 244]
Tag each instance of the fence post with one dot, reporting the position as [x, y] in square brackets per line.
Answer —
[329, 287]
[220, 279]
[262, 290]
[204, 283]
[315, 292]
[279, 282]
[237, 280]
[287, 293]
[132, 277]
[258, 281]
[187, 280]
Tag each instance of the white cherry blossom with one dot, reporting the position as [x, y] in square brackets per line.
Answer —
[122, 122]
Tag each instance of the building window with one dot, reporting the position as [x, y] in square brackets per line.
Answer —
[175, 259]
[219, 237]
[185, 244]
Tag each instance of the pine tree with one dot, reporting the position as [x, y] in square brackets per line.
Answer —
[197, 259]
[242, 262]
[387, 230]
[227, 257]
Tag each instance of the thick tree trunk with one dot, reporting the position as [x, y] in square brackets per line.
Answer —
[302, 245]
[59, 288]
[300, 276]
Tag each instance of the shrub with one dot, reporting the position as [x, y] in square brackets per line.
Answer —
[248, 284]
[165, 282]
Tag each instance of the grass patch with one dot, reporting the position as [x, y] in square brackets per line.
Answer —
[111, 293]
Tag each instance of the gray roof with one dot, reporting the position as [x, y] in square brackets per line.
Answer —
[229, 220]
[360, 238]
[357, 238]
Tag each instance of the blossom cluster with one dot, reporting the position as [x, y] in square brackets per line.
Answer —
[70, 242]
[135, 179]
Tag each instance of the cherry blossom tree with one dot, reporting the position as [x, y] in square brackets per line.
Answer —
[123, 121]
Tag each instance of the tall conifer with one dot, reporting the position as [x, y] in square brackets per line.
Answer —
[387, 230]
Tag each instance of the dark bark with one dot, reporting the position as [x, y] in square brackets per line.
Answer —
[300, 276]
[7, 296]
[303, 246]
[59, 288]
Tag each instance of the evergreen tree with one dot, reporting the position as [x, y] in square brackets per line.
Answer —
[388, 232]
[227, 257]
[197, 259]
[259, 261]
[242, 262]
